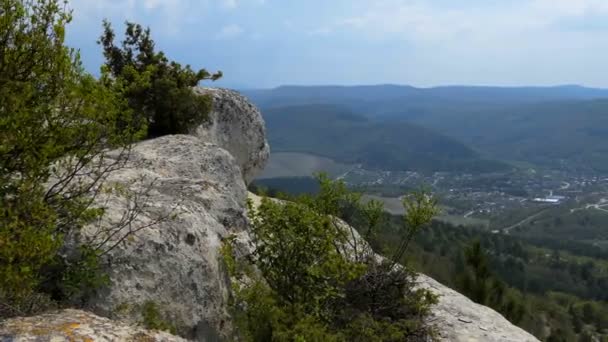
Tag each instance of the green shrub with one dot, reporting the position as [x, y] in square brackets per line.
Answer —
[158, 90]
[313, 282]
[153, 319]
[56, 124]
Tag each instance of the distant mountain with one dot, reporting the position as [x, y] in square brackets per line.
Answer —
[388, 99]
[560, 134]
[336, 132]
[561, 126]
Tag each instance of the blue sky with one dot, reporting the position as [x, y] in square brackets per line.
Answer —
[266, 43]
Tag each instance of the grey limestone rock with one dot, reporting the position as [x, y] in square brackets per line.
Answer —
[461, 320]
[75, 325]
[191, 195]
[237, 126]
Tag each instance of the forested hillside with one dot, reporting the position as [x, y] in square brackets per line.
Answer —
[338, 133]
[556, 295]
[562, 134]
[555, 127]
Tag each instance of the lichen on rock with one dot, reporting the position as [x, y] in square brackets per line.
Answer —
[77, 326]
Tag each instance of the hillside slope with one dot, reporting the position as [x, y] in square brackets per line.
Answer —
[456, 317]
[556, 127]
[338, 133]
[569, 134]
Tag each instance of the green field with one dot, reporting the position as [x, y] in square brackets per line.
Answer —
[295, 164]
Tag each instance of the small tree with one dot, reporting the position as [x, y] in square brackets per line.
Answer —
[479, 283]
[159, 91]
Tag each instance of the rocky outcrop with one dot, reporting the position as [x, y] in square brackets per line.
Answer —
[459, 319]
[237, 126]
[75, 325]
[191, 194]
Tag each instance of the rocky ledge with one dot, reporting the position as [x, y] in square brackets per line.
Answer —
[459, 319]
[77, 326]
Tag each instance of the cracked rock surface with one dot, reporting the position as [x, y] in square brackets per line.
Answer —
[237, 126]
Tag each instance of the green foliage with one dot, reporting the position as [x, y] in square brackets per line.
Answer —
[27, 243]
[298, 255]
[158, 90]
[76, 278]
[317, 281]
[56, 122]
[536, 289]
[152, 318]
[479, 284]
[420, 208]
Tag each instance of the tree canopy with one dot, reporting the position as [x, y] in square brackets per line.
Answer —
[56, 124]
[159, 91]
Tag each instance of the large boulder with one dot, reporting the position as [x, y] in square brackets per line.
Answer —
[237, 126]
[75, 325]
[188, 195]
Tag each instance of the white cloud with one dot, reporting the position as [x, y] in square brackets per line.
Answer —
[132, 9]
[229, 31]
[171, 15]
[233, 4]
[422, 21]
[570, 7]
[229, 4]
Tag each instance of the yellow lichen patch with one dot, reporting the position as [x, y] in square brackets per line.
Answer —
[40, 331]
[72, 326]
[68, 330]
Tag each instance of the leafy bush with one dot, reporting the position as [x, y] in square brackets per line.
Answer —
[56, 125]
[316, 280]
[158, 90]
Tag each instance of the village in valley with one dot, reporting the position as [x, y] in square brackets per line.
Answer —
[487, 196]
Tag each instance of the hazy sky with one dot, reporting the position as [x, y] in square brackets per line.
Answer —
[265, 43]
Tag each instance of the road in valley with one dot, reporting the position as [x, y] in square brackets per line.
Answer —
[529, 218]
